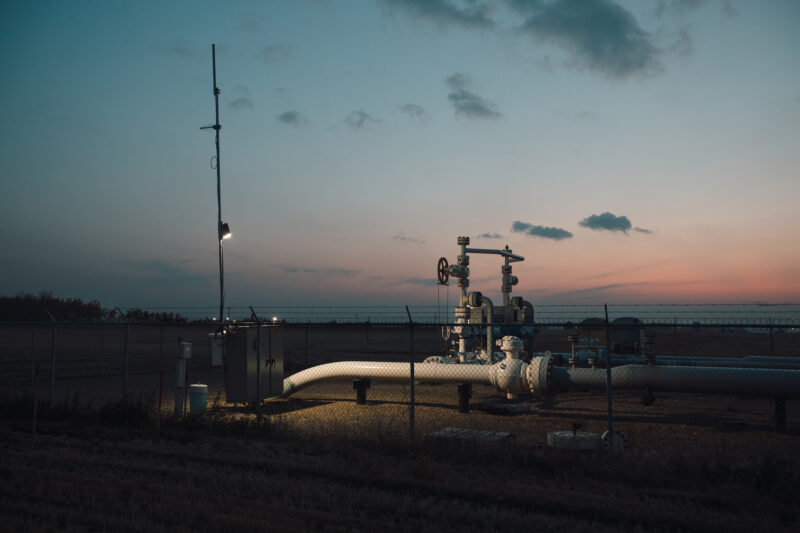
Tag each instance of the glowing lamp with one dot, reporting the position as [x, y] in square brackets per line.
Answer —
[224, 231]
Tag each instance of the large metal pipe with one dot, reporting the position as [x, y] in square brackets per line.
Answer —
[711, 380]
[398, 372]
[514, 376]
[750, 361]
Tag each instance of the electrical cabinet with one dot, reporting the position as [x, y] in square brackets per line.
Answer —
[246, 346]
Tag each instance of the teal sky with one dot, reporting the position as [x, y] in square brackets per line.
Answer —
[636, 151]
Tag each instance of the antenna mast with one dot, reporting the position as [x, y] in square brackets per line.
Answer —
[216, 127]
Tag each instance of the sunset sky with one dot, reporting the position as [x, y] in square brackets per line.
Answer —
[632, 151]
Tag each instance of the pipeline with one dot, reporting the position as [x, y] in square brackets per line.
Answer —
[540, 376]
[750, 361]
[712, 380]
[396, 372]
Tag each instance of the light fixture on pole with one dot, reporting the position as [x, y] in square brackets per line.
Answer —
[223, 231]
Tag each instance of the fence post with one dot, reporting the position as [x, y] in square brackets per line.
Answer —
[161, 350]
[305, 364]
[33, 353]
[411, 373]
[608, 382]
[125, 368]
[102, 349]
[35, 399]
[52, 364]
[771, 339]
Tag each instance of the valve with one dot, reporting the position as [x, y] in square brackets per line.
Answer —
[442, 272]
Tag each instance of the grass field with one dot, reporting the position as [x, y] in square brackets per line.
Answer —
[111, 469]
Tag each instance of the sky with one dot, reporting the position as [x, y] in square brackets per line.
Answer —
[631, 151]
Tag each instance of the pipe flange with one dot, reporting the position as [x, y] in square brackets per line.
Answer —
[538, 374]
[616, 442]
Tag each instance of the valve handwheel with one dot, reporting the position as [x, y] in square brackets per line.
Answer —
[442, 272]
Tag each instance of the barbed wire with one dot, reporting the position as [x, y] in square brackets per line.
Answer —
[778, 314]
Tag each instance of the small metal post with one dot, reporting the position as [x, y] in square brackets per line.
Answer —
[412, 401]
[608, 383]
[161, 350]
[258, 369]
[305, 364]
[184, 353]
[361, 386]
[464, 394]
[35, 399]
[271, 360]
[779, 408]
[160, 396]
[33, 354]
[52, 364]
[771, 340]
[125, 367]
[102, 349]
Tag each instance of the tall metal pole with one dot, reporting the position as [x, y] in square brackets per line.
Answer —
[608, 383]
[217, 127]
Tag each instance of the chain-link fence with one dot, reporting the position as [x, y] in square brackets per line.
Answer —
[672, 383]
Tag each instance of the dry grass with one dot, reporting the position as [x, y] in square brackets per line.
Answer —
[234, 473]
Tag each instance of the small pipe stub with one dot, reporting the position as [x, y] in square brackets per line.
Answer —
[464, 394]
[361, 386]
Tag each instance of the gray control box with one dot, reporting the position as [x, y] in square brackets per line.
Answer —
[242, 351]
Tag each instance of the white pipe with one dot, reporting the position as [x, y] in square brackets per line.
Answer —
[749, 361]
[705, 379]
[428, 372]
[514, 375]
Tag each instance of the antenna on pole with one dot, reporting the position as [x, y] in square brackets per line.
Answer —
[222, 230]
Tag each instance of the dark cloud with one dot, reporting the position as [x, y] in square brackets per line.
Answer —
[250, 23]
[466, 102]
[275, 53]
[601, 35]
[242, 89]
[545, 232]
[607, 221]
[324, 271]
[728, 10]
[489, 236]
[445, 13]
[179, 48]
[665, 6]
[157, 273]
[414, 111]
[407, 238]
[610, 222]
[293, 118]
[589, 116]
[241, 103]
[619, 271]
[359, 119]
[683, 45]
[591, 291]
